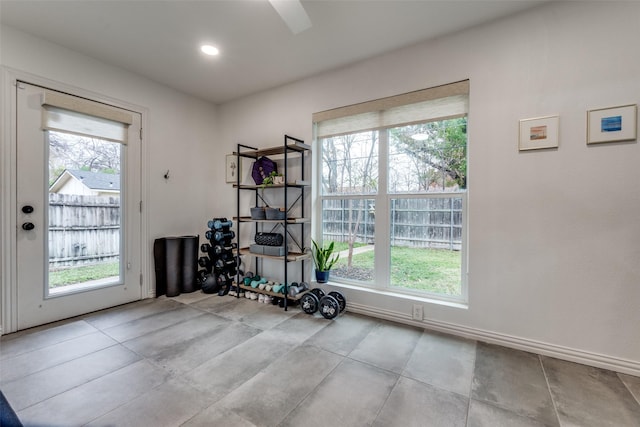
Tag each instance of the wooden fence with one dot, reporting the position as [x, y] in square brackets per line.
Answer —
[83, 230]
[427, 223]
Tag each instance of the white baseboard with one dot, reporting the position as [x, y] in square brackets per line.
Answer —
[573, 355]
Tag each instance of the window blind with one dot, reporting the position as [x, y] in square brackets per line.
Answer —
[79, 116]
[433, 104]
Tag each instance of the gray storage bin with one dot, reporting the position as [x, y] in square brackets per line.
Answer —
[256, 249]
[273, 250]
[274, 213]
[258, 213]
[267, 250]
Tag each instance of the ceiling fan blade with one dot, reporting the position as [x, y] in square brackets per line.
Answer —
[293, 14]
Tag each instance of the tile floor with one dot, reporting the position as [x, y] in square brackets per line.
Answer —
[201, 360]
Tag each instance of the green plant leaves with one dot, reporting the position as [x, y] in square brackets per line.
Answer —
[324, 258]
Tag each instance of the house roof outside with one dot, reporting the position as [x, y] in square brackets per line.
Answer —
[97, 181]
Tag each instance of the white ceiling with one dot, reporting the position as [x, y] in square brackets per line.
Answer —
[160, 39]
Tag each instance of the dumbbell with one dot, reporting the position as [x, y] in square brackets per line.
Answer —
[255, 283]
[204, 262]
[266, 286]
[329, 305]
[220, 236]
[311, 300]
[221, 264]
[295, 288]
[219, 223]
[217, 249]
[221, 250]
[276, 288]
[249, 277]
[342, 302]
[226, 256]
[224, 283]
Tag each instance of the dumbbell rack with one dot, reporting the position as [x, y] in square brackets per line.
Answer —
[219, 264]
[295, 228]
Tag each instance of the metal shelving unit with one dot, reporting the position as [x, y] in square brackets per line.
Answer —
[300, 224]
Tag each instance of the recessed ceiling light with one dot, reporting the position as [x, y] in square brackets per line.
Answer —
[209, 50]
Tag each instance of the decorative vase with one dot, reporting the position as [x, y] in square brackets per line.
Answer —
[322, 276]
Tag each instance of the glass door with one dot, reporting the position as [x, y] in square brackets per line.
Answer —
[78, 191]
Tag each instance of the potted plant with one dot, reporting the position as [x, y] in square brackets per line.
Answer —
[274, 178]
[324, 259]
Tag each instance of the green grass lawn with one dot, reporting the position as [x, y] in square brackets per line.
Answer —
[432, 270]
[71, 275]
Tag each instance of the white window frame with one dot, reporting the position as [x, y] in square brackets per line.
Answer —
[382, 256]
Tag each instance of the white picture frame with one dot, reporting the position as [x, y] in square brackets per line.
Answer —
[612, 124]
[232, 169]
[539, 133]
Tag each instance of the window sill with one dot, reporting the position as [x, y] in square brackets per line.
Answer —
[397, 295]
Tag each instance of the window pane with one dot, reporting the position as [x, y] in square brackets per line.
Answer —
[428, 157]
[84, 212]
[350, 164]
[350, 224]
[426, 241]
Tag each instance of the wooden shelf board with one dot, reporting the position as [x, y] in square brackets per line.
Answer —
[300, 147]
[295, 184]
[293, 256]
[289, 220]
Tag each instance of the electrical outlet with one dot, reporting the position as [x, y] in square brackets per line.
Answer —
[417, 312]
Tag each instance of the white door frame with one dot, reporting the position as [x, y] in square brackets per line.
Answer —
[8, 180]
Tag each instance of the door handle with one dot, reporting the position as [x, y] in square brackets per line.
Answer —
[28, 226]
[27, 209]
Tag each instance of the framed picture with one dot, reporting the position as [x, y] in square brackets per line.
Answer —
[612, 124]
[232, 168]
[538, 133]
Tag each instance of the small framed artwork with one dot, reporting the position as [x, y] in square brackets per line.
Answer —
[612, 124]
[539, 133]
[232, 168]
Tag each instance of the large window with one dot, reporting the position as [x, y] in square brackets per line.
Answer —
[393, 189]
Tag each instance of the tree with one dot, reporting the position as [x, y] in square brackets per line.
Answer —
[350, 167]
[437, 151]
[67, 151]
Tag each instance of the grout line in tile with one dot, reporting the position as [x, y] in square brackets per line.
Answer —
[546, 379]
[387, 398]
[636, 398]
[126, 402]
[48, 345]
[473, 376]
[68, 361]
[80, 385]
[315, 388]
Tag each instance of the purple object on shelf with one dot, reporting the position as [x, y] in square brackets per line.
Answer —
[262, 168]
